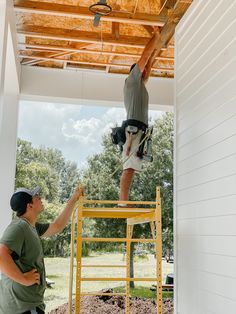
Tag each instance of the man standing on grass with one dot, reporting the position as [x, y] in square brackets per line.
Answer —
[23, 279]
[136, 105]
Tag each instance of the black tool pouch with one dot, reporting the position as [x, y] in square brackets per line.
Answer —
[118, 136]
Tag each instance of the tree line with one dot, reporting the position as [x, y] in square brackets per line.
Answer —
[58, 177]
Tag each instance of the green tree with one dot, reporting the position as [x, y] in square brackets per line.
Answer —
[69, 180]
[47, 168]
[59, 244]
[160, 173]
[38, 174]
[34, 167]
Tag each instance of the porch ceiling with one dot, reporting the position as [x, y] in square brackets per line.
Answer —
[60, 34]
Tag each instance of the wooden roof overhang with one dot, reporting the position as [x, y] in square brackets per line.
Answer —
[60, 34]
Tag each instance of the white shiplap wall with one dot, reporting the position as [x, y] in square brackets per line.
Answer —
[205, 159]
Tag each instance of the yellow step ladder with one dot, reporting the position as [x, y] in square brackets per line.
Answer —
[146, 212]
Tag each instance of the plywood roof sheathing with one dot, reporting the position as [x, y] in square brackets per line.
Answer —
[83, 13]
[60, 33]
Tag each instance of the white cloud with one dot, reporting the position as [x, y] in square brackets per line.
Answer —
[112, 117]
[88, 131]
[75, 130]
[82, 130]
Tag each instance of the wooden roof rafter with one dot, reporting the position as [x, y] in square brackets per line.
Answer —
[67, 54]
[115, 47]
[81, 36]
[27, 6]
[53, 48]
[105, 64]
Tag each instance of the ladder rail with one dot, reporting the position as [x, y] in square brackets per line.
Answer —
[72, 252]
[156, 230]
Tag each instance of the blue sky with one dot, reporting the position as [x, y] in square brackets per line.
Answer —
[75, 130]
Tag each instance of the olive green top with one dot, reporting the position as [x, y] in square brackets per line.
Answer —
[24, 241]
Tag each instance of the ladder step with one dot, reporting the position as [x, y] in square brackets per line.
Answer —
[119, 209]
[119, 202]
[103, 294]
[95, 266]
[118, 279]
[118, 240]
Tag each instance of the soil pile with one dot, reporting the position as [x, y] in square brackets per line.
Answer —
[116, 305]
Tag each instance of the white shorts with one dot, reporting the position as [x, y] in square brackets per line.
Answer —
[132, 160]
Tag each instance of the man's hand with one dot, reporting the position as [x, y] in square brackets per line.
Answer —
[79, 191]
[31, 277]
[156, 29]
[60, 222]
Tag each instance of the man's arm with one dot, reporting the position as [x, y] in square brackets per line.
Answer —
[61, 221]
[148, 50]
[10, 269]
[149, 66]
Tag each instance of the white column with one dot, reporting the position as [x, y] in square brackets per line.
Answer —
[3, 49]
[9, 95]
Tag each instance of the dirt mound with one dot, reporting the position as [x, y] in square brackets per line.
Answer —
[116, 305]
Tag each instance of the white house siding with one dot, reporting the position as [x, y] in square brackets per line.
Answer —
[205, 159]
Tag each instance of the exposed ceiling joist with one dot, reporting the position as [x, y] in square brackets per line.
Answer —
[57, 54]
[53, 48]
[105, 64]
[111, 57]
[149, 29]
[116, 30]
[170, 4]
[33, 62]
[82, 36]
[50, 32]
[167, 4]
[84, 13]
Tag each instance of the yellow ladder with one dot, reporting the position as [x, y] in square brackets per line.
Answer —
[146, 212]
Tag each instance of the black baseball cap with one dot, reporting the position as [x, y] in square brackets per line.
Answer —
[21, 198]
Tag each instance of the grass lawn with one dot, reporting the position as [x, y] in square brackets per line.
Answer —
[144, 292]
[58, 269]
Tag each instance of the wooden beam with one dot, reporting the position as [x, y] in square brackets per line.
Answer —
[82, 67]
[167, 4]
[116, 35]
[79, 67]
[58, 54]
[84, 13]
[168, 29]
[52, 48]
[116, 30]
[110, 59]
[40, 60]
[81, 36]
[149, 29]
[105, 64]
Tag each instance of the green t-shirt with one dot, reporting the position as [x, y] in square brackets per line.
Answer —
[136, 96]
[24, 241]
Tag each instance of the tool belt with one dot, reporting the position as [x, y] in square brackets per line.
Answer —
[145, 149]
[135, 123]
[118, 135]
